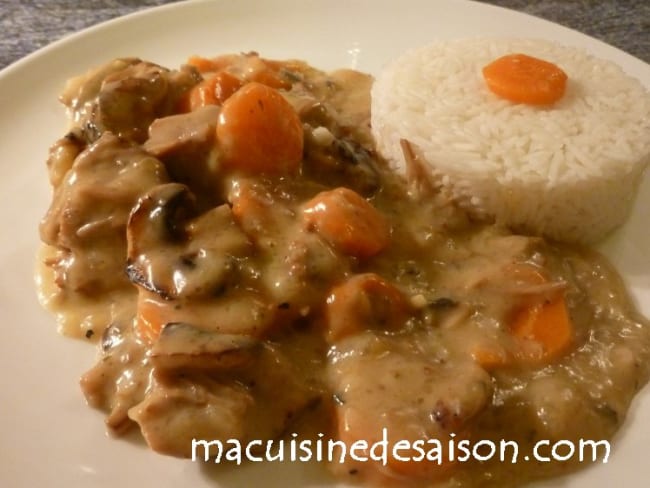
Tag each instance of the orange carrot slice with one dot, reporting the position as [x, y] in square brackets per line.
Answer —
[490, 357]
[548, 324]
[214, 90]
[206, 65]
[249, 67]
[150, 318]
[348, 222]
[524, 79]
[225, 85]
[541, 327]
[362, 302]
[260, 132]
[247, 201]
[406, 463]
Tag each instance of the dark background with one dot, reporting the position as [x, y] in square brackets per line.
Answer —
[26, 25]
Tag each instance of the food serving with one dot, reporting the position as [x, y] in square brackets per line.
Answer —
[250, 266]
[564, 161]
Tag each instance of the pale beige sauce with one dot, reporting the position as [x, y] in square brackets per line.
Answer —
[77, 316]
[418, 378]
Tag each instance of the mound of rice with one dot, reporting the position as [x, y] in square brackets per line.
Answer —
[568, 171]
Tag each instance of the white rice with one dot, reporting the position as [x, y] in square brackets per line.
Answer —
[569, 171]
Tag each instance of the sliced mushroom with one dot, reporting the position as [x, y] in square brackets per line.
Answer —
[156, 223]
[181, 346]
[112, 337]
[177, 256]
[159, 217]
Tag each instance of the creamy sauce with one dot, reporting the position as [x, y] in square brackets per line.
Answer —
[237, 313]
[78, 316]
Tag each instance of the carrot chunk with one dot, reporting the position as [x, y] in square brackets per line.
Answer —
[263, 71]
[214, 90]
[249, 202]
[248, 67]
[539, 328]
[206, 65]
[255, 210]
[548, 324]
[150, 318]
[354, 426]
[225, 85]
[490, 356]
[525, 79]
[364, 301]
[259, 132]
[348, 222]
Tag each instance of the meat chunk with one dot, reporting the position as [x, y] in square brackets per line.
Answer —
[176, 411]
[186, 143]
[119, 381]
[90, 208]
[411, 392]
[242, 404]
[62, 155]
[83, 89]
[125, 96]
[344, 162]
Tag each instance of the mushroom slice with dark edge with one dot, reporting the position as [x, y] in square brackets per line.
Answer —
[176, 253]
[112, 337]
[156, 223]
[185, 346]
[159, 217]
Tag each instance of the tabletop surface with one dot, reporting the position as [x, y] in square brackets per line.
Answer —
[27, 25]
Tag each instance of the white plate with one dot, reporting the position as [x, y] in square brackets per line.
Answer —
[48, 437]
